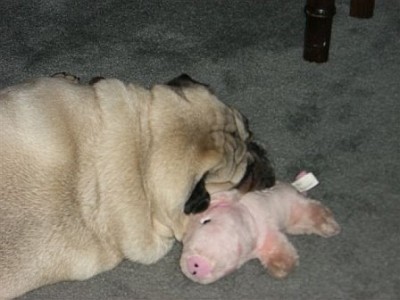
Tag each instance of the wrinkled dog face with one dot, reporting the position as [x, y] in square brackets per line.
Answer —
[245, 164]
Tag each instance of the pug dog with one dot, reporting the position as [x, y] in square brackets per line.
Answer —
[94, 173]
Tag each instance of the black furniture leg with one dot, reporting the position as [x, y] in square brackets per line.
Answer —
[362, 8]
[319, 16]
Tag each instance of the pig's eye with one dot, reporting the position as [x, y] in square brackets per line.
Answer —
[205, 220]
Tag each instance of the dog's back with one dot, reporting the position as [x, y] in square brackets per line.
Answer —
[40, 150]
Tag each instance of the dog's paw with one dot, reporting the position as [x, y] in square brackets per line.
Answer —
[66, 76]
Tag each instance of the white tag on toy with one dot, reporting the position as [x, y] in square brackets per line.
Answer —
[305, 182]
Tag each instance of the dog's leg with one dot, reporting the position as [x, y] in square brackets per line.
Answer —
[66, 76]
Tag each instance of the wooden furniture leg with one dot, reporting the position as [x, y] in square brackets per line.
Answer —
[362, 8]
[319, 16]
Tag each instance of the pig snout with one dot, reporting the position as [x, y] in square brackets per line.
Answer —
[198, 267]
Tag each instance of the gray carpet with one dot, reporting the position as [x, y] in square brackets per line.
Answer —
[339, 120]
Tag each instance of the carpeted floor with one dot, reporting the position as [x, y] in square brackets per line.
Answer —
[339, 120]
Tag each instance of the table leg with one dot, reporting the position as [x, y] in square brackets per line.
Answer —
[319, 16]
[362, 8]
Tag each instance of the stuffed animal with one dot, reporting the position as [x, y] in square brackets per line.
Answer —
[239, 227]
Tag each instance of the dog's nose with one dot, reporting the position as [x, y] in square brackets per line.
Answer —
[198, 267]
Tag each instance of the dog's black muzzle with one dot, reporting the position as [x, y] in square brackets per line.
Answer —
[259, 175]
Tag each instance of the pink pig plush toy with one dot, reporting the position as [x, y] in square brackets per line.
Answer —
[237, 228]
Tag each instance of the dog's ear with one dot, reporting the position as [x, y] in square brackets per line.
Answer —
[95, 80]
[199, 200]
[184, 80]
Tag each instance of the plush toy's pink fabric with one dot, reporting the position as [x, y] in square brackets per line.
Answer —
[237, 228]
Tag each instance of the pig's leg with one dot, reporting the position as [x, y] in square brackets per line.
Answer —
[309, 216]
[277, 254]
